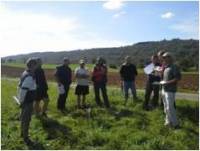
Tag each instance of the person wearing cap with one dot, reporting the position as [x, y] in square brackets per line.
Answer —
[150, 86]
[27, 88]
[99, 78]
[82, 88]
[63, 77]
[171, 76]
[41, 91]
[128, 72]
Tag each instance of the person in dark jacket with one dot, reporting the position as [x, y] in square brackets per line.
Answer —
[99, 78]
[63, 77]
[128, 72]
[41, 91]
[150, 86]
[27, 87]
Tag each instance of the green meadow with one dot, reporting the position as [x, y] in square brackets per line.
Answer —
[121, 127]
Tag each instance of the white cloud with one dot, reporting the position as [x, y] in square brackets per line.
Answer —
[119, 14]
[167, 15]
[23, 32]
[113, 4]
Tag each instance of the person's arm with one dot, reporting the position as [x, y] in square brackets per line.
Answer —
[44, 80]
[93, 74]
[136, 73]
[70, 76]
[121, 72]
[56, 75]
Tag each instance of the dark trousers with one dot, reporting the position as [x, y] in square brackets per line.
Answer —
[62, 98]
[102, 87]
[26, 113]
[148, 91]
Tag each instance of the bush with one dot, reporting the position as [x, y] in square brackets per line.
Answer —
[113, 66]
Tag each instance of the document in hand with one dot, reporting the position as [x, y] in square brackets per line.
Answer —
[17, 100]
[149, 68]
[159, 83]
[61, 89]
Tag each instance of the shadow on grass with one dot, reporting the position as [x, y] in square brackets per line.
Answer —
[35, 146]
[54, 129]
[190, 113]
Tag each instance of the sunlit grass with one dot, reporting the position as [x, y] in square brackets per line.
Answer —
[120, 127]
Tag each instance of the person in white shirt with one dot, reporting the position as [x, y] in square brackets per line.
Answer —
[27, 88]
[82, 88]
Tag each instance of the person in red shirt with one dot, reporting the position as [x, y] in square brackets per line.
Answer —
[99, 78]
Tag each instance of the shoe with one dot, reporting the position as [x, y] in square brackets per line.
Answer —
[28, 141]
[145, 107]
[177, 127]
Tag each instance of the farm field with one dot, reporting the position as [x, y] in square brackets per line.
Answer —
[189, 82]
[120, 127]
[89, 66]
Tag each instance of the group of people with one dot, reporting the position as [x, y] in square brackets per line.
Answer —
[33, 86]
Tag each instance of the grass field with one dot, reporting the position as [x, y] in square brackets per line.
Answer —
[120, 127]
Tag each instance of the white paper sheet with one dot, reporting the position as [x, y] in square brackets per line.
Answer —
[149, 68]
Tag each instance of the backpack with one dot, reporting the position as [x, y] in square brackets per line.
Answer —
[23, 77]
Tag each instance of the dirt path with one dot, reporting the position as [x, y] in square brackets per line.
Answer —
[183, 96]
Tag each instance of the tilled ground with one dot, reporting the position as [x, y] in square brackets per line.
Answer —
[188, 81]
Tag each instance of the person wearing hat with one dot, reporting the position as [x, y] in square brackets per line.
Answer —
[63, 77]
[82, 88]
[27, 88]
[171, 76]
[128, 72]
[41, 91]
[99, 78]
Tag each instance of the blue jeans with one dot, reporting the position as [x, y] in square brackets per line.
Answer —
[129, 85]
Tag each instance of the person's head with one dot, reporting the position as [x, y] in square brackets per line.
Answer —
[66, 61]
[128, 59]
[31, 64]
[154, 59]
[39, 62]
[167, 58]
[99, 61]
[82, 63]
[160, 54]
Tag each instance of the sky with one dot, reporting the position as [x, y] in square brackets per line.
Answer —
[38, 26]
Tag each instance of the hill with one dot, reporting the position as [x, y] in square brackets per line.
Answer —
[185, 53]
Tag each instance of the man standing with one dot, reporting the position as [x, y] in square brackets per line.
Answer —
[171, 76]
[41, 91]
[160, 57]
[128, 72]
[99, 78]
[82, 88]
[150, 86]
[64, 78]
[27, 87]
